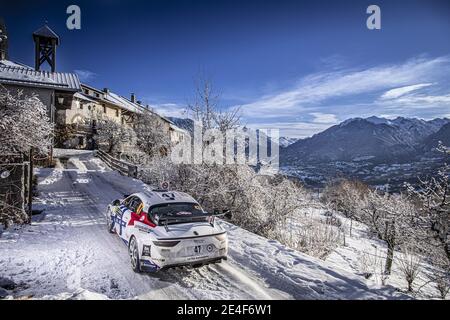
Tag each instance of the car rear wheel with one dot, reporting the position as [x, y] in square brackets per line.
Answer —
[134, 255]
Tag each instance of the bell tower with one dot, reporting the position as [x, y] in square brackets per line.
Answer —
[3, 40]
[45, 40]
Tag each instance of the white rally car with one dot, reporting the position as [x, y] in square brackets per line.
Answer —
[165, 229]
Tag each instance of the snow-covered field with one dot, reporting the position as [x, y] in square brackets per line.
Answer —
[67, 253]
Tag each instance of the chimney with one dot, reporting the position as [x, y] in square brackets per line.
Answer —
[139, 102]
[133, 98]
[106, 90]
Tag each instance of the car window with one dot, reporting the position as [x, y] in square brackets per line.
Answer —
[184, 211]
[134, 204]
[127, 201]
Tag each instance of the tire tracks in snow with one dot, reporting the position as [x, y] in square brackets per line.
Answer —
[223, 280]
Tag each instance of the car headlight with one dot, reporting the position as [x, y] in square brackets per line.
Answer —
[166, 243]
[221, 237]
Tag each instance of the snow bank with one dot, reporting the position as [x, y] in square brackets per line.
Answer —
[67, 253]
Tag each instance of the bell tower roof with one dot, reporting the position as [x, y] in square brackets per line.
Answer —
[46, 32]
[46, 41]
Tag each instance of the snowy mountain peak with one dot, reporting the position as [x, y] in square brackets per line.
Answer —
[286, 141]
[381, 139]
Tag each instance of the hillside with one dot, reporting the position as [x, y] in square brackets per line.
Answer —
[67, 253]
[380, 140]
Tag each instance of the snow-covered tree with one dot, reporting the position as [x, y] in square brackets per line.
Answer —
[151, 138]
[392, 218]
[24, 123]
[112, 136]
[346, 197]
[433, 196]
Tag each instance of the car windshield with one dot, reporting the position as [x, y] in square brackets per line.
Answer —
[177, 212]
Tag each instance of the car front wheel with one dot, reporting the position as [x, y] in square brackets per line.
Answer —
[134, 255]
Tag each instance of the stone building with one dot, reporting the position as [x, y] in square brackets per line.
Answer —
[73, 107]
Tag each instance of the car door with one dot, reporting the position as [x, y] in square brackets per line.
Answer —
[130, 214]
[123, 217]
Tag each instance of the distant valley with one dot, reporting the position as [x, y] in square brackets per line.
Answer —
[376, 150]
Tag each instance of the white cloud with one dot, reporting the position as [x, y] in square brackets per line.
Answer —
[85, 75]
[424, 99]
[333, 95]
[327, 118]
[398, 92]
[293, 129]
[170, 109]
[314, 89]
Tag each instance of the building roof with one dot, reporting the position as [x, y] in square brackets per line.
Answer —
[84, 85]
[174, 127]
[22, 76]
[9, 63]
[123, 102]
[46, 32]
[83, 97]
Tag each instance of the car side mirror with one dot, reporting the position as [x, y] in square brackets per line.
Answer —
[227, 214]
[116, 202]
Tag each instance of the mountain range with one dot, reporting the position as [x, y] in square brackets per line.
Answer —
[376, 139]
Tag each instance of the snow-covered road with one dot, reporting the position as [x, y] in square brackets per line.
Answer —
[67, 251]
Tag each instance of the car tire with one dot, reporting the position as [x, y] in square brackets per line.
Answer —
[133, 251]
[109, 223]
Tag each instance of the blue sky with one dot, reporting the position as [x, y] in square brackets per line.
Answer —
[295, 65]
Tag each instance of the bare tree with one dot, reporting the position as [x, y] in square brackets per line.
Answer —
[409, 264]
[441, 278]
[392, 218]
[346, 197]
[207, 111]
[434, 197]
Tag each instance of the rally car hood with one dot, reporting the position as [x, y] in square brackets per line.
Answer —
[187, 230]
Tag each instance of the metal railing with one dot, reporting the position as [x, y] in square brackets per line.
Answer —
[125, 168]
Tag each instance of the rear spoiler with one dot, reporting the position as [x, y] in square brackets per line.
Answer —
[211, 216]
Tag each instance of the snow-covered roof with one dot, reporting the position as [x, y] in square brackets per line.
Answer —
[174, 127]
[45, 79]
[127, 104]
[123, 102]
[84, 97]
[9, 63]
